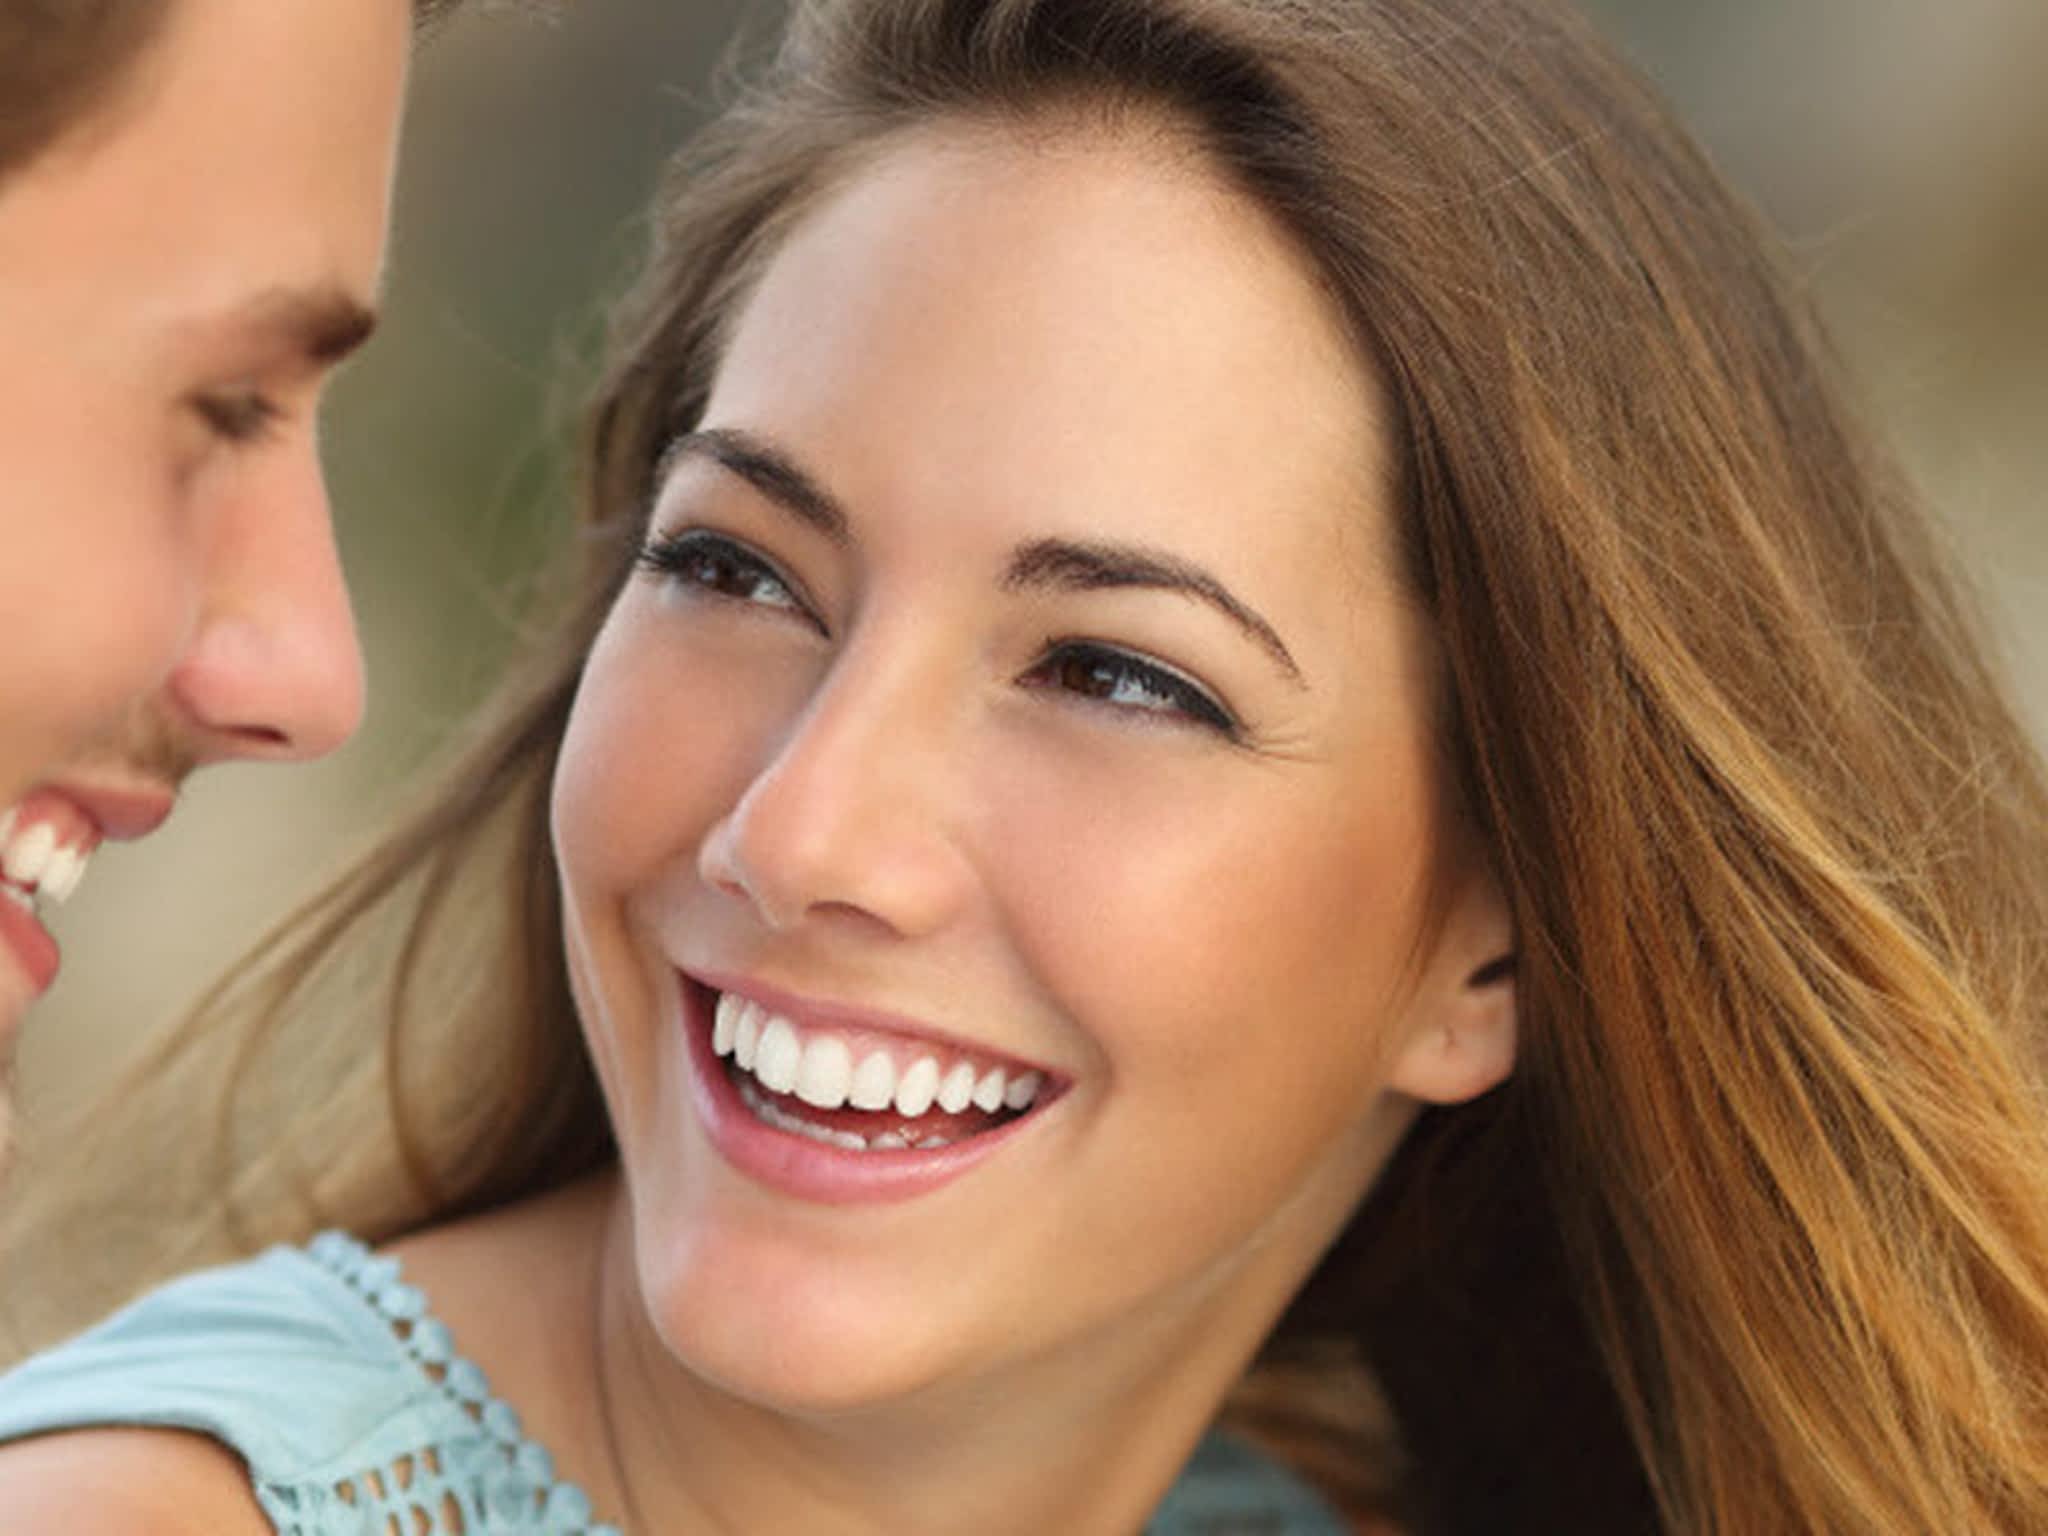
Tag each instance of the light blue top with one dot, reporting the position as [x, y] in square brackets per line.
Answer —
[325, 1372]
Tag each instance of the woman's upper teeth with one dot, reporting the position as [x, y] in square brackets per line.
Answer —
[818, 1067]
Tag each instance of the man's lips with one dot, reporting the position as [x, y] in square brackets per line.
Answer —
[122, 812]
[34, 950]
[81, 814]
[46, 840]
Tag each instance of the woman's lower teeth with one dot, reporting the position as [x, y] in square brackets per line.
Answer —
[849, 1141]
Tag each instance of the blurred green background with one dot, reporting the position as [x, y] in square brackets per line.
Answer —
[1900, 145]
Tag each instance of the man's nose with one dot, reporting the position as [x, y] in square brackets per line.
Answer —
[273, 670]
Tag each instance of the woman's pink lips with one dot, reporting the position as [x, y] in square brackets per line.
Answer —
[813, 1170]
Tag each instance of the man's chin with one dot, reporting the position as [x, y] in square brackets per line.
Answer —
[14, 1018]
[6, 1124]
[12, 1011]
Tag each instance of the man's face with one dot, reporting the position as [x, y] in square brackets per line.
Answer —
[178, 276]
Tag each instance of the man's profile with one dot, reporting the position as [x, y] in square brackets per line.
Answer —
[194, 196]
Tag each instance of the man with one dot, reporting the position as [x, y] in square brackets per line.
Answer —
[193, 205]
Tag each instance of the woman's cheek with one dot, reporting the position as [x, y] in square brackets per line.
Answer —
[1154, 903]
[1125, 865]
[671, 722]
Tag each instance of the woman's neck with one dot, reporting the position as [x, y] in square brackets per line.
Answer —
[1085, 1440]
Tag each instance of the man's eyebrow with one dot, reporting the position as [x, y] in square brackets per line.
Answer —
[320, 324]
[1088, 565]
[768, 470]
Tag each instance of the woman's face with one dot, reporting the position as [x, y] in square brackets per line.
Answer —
[1018, 698]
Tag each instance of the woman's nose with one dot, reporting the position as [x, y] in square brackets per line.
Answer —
[273, 670]
[850, 815]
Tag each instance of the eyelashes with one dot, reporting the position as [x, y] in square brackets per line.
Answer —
[241, 417]
[1094, 673]
[723, 568]
[1119, 679]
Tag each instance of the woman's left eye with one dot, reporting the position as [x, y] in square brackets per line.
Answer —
[1106, 675]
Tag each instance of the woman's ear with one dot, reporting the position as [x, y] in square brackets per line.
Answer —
[1464, 1019]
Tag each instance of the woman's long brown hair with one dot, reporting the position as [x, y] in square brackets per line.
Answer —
[1756, 1240]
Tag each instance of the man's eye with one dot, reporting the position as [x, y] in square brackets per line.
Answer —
[1105, 675]
[242, 416]
[716, 566]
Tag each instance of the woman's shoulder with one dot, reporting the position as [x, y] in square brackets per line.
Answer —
[287, 1357]
[314, 1384]
[114, 1482]
[176, 1412]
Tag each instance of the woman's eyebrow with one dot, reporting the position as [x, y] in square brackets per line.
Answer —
[1088, 565]
[1044, 564]
[768, 469]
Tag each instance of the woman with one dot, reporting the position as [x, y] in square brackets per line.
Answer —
[1247, 740]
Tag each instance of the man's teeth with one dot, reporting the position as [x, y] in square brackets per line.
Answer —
[61, 875]
[33, 863]
[819, 1068]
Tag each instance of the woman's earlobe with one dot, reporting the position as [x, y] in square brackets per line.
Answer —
[1469, 1047]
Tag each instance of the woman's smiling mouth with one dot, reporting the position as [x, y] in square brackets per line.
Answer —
[846, 1112]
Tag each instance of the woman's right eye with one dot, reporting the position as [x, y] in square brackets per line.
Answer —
[719, 567]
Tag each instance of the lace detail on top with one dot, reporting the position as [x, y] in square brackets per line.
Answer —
[345, 1399]
[495, 1480]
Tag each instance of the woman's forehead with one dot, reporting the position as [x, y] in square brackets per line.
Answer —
[1076, 324]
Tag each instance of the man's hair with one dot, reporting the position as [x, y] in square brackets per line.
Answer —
[60, 60]
[63, 60]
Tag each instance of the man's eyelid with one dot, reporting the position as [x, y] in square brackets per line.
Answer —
[290, 381]
[242, 416]
[295, 388]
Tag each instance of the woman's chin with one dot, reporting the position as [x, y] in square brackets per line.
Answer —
[798, 1377]
[800, 1337]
